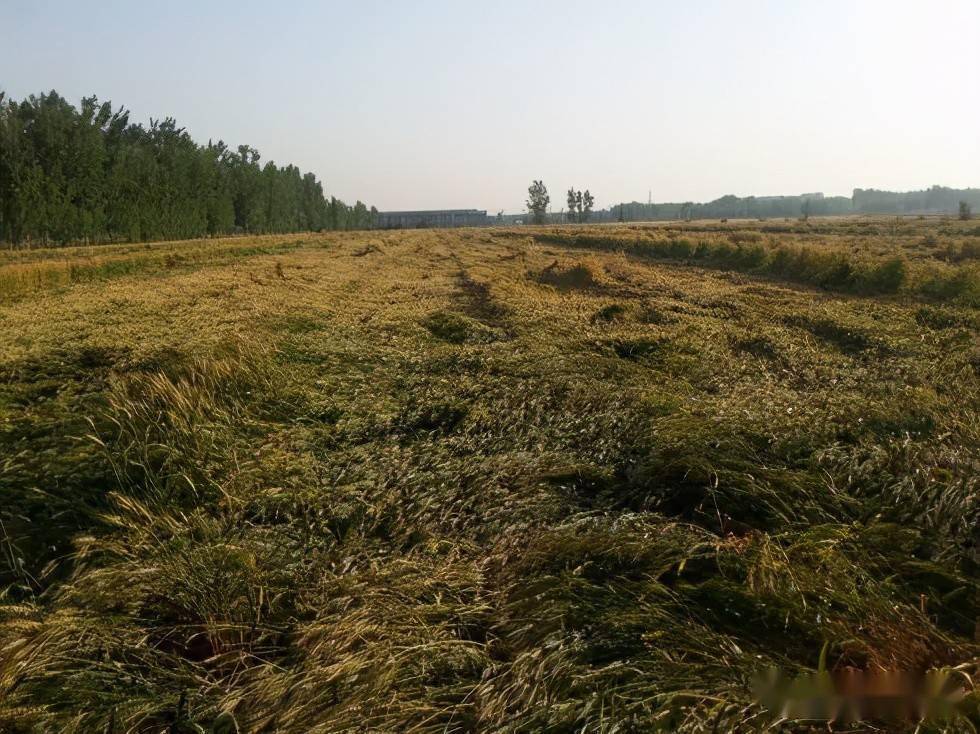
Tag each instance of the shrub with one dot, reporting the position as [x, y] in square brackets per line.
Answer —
[681, 249]
[722, 253]
[960, 284]
[782, 260]
[752, 257]
[888, 276]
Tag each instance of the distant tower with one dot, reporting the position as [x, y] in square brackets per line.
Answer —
[649, 197]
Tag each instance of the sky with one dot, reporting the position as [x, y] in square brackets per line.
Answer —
[425, 104]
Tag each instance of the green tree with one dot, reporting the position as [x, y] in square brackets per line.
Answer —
[87, 174]
[579, 205]
[360, 217]
[571, 205]
[966, 211]
[537, 201]
[334, 218]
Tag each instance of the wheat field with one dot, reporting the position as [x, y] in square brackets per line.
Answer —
[562, 479]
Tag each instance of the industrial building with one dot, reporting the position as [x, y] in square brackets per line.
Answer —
[434, 218]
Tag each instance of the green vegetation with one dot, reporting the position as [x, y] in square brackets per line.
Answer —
[537, 201]
[864, 264]
[476, 480]
[89, 175]
[934, 200]
[579, 206]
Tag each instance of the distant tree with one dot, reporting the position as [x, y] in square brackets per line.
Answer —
[358, 216]
[966, 211]
[334, 214]
[538, 201]
[571, 205]
[580, 205]
[588, 201]
[805, 209]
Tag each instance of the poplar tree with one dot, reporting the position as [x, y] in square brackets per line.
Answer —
[537, 201]
[87, 174]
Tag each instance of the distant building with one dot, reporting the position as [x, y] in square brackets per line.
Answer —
[433, 218]
[815, 196]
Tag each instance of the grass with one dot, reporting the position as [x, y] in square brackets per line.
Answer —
[485, 480]
[26, 272]
[862, 264]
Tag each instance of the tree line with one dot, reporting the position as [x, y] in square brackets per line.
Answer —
[579, 204]
[729, 206]
[934, 199]
[581, 207]
[88, 174]
[937, 199]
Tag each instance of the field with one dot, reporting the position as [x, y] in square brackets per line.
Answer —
[549, 479]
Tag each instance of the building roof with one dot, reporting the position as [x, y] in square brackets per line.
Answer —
[433, 212]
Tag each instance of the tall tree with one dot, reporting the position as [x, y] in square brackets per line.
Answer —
[580, 205]
[72, 174]
[537, 201]
[571, 205]
[588, 201]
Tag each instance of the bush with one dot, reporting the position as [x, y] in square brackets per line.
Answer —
[752, 257]
[836, 272]
[887, 277]
[959, 284]
[681, 249]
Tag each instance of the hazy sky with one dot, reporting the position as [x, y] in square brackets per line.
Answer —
[419, 104]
